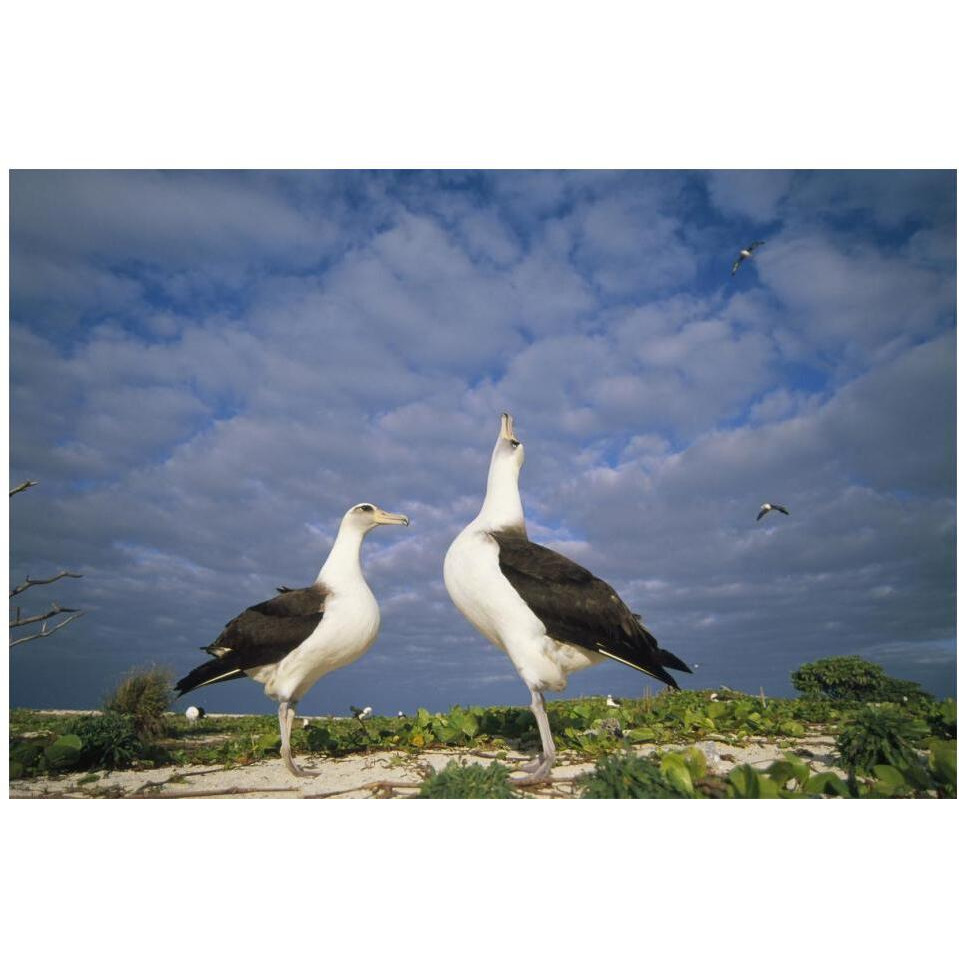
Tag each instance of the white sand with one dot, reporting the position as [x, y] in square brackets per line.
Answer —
[391, 775]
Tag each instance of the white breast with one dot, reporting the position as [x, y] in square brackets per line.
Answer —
[486, 598]
[349, 627]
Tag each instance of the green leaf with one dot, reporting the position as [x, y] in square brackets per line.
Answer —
[827, 782]
[889, 776]
[642, 734]
[63, 753]
[696, 762]
[677, 772]
[717, 710]
[942, 760]
[769, 790]
[787, 768]
[743, 783]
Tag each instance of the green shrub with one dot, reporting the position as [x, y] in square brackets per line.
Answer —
[942, 766]
[941, 718]
[841, 678]
[143, 696]
[461, 781]
[626, 776]
[880, 735]
[109, 741]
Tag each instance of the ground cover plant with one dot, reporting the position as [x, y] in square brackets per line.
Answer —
[897, 749]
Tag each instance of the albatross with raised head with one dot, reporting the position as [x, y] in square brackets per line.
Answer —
[548, 614]
[290, 641]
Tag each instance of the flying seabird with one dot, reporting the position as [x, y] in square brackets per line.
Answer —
[768, 507]
[746, 254]
[365, 712]
[611, 702]
[290, 641]
[547, 613]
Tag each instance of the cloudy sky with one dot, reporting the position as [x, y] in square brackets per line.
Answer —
[208, 368]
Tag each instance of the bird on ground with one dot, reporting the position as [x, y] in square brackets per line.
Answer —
[290, 641]
[548, 614]
[401, 715]
[194, 713]
[768, 508]
[611, 702]
[746, 254]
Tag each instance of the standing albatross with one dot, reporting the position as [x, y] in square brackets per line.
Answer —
[547, 613]
[290, 641]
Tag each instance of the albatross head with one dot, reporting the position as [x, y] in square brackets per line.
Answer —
[509, 450]
[502, 506]
[365, 516]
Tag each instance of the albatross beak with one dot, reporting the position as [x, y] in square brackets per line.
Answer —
[390, 519]
[506, 427]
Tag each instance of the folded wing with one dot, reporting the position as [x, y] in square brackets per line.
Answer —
[577, 607]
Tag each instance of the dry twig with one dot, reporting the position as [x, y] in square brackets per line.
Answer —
[27, 583]
[44, 631]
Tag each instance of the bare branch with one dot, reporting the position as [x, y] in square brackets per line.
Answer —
[27, 583]
[44, 631]
[55, 609]
[23, 486]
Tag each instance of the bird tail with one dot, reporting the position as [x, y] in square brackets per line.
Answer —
[663, 656]
[215, 671]
[670, 661]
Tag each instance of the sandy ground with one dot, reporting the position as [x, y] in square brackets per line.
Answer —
[382, 775]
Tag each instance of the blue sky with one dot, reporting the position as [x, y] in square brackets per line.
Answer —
[208, 368]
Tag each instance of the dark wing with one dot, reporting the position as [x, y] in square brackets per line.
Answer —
[757, 243]
[576, 607]
[737, 265]
[762, 513]
[259, 636]
[782, 509]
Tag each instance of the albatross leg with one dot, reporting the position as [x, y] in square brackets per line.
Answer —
[287, 713]
[539, 769]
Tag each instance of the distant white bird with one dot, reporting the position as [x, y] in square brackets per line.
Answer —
[290, 641]
[193, 713]
[769, 507]
[306, 723]
[401, 715]
[611, 702]
[365, 713]
[746, 254]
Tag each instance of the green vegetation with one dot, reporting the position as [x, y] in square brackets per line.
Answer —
[468, 781]
[144, 696]
[629, 777]
[108, 741]
[880, 735]
[896, 749]
[845, 678]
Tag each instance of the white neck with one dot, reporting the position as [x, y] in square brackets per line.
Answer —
[342, 566]
[502, 506]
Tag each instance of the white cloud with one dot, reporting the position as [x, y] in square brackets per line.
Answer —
[755, 194]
